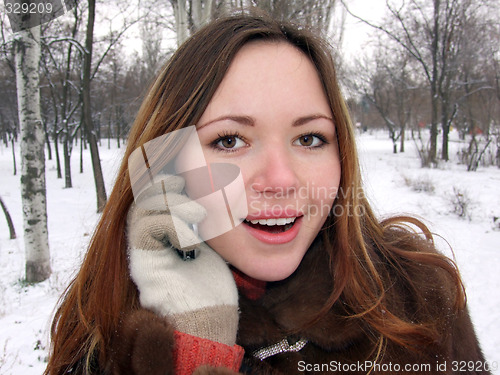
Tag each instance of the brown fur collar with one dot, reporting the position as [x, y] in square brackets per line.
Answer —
[288, 305]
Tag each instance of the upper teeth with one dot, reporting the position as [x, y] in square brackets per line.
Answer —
[280, 221]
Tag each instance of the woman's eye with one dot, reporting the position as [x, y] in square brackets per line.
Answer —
[310, 141]
[229, 142]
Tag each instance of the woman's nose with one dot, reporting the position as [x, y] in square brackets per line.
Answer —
[275, 172]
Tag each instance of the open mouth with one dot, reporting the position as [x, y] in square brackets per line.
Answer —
[278, 225]
[274, 231]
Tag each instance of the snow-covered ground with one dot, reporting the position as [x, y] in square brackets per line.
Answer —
[390, 181]
[474, 239]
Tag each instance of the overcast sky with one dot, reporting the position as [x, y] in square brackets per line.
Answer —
[356, 33]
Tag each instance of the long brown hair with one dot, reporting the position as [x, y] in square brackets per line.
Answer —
[102, 290]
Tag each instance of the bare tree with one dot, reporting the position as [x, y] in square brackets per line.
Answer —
[432, 33]
[64, 57]
[391, 92]
[61, 61]
[478, 101]
[87, 112]
[33, 190]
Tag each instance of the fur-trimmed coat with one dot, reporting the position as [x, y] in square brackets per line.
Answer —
[335, 344]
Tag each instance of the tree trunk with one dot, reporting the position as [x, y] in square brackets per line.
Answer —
[392, 135]
[201, 12]
[445, 140]
[119, 125]
[68, 139]
[87, 115]
[402, 140]
[434, 82]
[82, 141]
[67, 157]
[58, 158]
[109, 133]
[47, 141]
[12, 230]
[181, 20]
[14, 156]
[33, 189]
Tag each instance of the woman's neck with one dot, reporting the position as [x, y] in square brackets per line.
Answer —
[251, 288]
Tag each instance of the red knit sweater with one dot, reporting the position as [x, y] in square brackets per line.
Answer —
[191, 352]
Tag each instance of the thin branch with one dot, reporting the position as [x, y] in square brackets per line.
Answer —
[413, 52]
[69, 39]
[113, 41]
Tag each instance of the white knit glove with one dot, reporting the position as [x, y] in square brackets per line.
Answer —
[199, 295]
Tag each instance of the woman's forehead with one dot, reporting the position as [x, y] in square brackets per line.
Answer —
[269, 74]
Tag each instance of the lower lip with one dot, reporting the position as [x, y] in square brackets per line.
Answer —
[275, 238]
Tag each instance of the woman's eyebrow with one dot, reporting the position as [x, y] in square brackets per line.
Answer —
[243, 120]
[305, 119]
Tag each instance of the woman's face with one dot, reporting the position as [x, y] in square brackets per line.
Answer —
[271, 118]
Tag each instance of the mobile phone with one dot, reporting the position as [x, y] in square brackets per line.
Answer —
[190, 254]
[187, 255]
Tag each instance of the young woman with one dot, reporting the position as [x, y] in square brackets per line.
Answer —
[309, 282]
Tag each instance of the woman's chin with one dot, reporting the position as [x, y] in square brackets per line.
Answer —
[268, 272]
[258, 260]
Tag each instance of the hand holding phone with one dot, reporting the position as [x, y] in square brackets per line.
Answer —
[199, 296]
